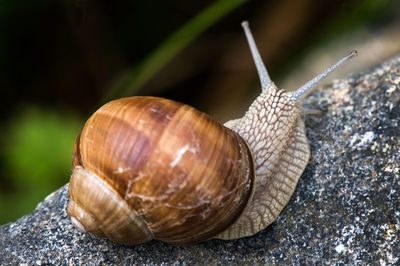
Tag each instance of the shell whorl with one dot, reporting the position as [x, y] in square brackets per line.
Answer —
[147, 167]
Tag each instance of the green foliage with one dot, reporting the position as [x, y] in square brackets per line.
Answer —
[37, 154]
[136, 77]
[367, 11]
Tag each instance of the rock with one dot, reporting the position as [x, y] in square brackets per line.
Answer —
[345, 210]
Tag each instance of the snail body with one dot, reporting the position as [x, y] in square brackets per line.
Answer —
[150, 168]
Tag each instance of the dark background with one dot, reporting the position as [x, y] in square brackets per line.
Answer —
[61, 60]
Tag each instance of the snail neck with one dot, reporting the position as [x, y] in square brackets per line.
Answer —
[275, 133]
[267, 124]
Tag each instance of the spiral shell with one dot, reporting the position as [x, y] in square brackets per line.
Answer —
[147, 167]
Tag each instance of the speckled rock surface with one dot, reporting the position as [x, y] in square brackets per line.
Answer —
[345, 210]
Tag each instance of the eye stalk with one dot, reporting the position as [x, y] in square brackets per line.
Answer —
[266, 82]
[307, 88]
[262, 71]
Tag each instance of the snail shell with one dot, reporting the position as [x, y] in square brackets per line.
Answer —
[151, 168]
[168, 171]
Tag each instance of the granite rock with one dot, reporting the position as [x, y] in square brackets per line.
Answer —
[345, 210]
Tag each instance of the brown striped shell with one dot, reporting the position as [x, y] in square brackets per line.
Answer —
[147, 167]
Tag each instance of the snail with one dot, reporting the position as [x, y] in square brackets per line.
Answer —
[150, 168]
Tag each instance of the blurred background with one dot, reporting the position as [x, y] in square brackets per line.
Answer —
[61, 60]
